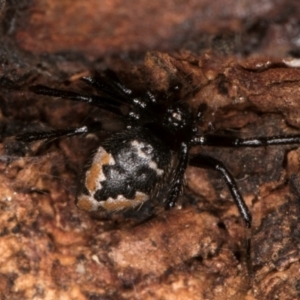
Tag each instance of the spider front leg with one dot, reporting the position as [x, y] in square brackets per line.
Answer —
[108, 83]
[207, 162]
[53, 134]
[176, 183]
[103, 102]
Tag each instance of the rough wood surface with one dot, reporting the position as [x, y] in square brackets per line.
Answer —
[240, 60]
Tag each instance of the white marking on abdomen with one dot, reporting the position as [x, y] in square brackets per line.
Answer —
[152, 164]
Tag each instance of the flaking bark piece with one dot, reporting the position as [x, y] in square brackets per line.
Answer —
[276, 246]
[196, 252]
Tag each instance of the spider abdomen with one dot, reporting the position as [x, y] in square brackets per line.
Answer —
[125, 171]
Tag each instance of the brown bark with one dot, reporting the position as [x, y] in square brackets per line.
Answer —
[239, 59]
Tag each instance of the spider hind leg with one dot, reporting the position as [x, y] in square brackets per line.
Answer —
[207, 162]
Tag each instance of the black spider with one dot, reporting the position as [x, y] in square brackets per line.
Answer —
[132, 166]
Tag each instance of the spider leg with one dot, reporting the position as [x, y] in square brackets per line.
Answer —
[117, 85]
[207, 162]
[112, 91]
[108, 83]
[106, 103]
[176, 183]
[229, 141]
[34, 136]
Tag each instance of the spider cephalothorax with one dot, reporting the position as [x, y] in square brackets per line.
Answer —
[132, 166]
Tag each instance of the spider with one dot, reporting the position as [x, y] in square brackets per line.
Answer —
[132, 166]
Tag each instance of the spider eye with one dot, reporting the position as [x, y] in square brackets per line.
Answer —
[177, 116]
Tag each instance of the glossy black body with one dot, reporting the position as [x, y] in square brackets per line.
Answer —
[131, 171]
[119, 175]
